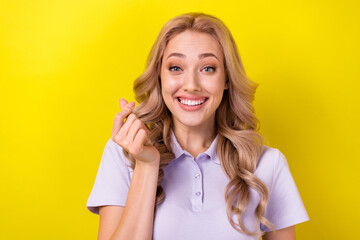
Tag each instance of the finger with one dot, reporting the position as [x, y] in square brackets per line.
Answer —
[137, 124]
[139, 141]
[147, 130]
[122, 135]
[122, 103]
[119, 118]
[135, 127]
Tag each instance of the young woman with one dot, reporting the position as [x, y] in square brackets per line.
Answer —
[188, 162]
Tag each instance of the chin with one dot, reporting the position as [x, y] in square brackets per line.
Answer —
[191, 122]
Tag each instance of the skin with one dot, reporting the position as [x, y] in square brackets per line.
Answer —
[282, 234]
[187, 72]
[135, 220]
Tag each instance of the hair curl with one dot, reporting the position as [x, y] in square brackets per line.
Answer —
[239, 144]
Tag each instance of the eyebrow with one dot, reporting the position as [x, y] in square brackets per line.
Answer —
[202, 55]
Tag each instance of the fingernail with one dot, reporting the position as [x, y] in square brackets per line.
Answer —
[131, 105]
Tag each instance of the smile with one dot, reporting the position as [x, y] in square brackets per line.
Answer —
[189, 102]
[191, 105]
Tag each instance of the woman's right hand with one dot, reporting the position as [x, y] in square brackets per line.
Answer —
[132, 135]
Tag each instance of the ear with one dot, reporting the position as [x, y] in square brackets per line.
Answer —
[159, 80]
[227, 83]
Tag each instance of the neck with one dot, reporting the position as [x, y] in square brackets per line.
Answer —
[195, 140]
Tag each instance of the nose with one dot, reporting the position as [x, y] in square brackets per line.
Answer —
[191, 82]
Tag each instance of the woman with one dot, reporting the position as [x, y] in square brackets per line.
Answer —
[187, 162]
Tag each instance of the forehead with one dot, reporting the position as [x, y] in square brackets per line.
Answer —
[193, 43]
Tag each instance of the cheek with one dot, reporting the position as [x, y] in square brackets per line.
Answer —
[216, 88]
[217, 91]
[169, 85]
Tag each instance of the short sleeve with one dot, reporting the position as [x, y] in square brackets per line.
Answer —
[112, 180]
[285, 207]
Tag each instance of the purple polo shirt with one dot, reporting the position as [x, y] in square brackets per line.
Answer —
[194, 206]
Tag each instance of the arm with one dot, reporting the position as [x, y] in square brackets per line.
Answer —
[281, 234]
[109, 218]
[135, 220]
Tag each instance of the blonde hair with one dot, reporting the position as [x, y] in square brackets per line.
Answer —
[239, 144]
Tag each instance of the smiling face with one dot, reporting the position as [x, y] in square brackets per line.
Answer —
[193, 79]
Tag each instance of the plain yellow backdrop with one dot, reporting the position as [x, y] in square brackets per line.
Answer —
[65, 64]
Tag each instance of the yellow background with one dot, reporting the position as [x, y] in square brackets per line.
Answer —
[64, 65]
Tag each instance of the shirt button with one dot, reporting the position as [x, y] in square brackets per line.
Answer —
[198, 193]
[197, 175]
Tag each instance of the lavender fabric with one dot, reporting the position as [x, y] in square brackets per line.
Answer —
[194, 207]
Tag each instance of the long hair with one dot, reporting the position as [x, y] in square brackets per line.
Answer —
[239, 145]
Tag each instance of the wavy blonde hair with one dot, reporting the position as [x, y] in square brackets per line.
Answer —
[239, 144]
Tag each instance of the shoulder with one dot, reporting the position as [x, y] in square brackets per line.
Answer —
[270, 162]
[114, 152]
[271, 157]
[285, 207]
[113, 146]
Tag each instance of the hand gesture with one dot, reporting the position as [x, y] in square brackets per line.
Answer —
[132, 134]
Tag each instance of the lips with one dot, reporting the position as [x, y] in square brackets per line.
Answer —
[191, 97]
[191, 103]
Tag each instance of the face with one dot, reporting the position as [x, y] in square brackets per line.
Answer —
[193, 79]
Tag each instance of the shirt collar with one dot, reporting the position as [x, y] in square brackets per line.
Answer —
[178, 151]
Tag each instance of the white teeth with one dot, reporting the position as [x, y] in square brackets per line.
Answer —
[191, 102]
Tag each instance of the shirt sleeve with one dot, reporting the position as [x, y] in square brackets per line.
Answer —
[285, 207]
[112, 180]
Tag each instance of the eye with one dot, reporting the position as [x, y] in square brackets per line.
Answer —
[174, 68]
[209, 69]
